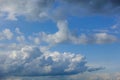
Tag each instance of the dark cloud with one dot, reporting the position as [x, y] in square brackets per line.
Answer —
[100, 6]
[115, 2]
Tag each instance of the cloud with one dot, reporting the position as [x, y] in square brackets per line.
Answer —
[96, 5]
[35, 39]
[17, 30]
[96, 76]
[65, 35]
[60, 36]
[31, 61]
[47, 9]
[20, 38]
[34, 9]
[6, 34]
[85, 76]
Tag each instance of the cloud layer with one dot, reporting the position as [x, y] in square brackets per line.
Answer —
[85, 76]
[56, 9]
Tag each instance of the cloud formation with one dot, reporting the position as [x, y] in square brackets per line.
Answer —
[31, 61]
[34, 9]
[65, 35]
[48, 9]
[24, 56]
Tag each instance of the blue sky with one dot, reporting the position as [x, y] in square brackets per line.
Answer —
[52, 39]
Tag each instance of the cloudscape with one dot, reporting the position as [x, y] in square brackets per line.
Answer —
[59, 40]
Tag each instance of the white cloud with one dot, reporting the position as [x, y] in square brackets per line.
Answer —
[30, 61]
[37, 40]
[58, 37]
[6, 34]
[104, 38]
[65, 35]
[33, 60]
[20, 38]
[17, 30]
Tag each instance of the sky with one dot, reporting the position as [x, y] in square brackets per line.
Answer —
[59, 39]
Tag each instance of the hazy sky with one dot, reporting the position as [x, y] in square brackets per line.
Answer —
[59, 39]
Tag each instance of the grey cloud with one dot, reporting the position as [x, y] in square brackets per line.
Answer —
[86, 7]
[96, 4]
[47, 9]
[116, 2]
[34, 9]
[31, 61]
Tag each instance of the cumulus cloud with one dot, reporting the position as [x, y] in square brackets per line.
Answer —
[31, 61]
[60, 36]
[6, 34]
[28, 59]
[65, 35]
